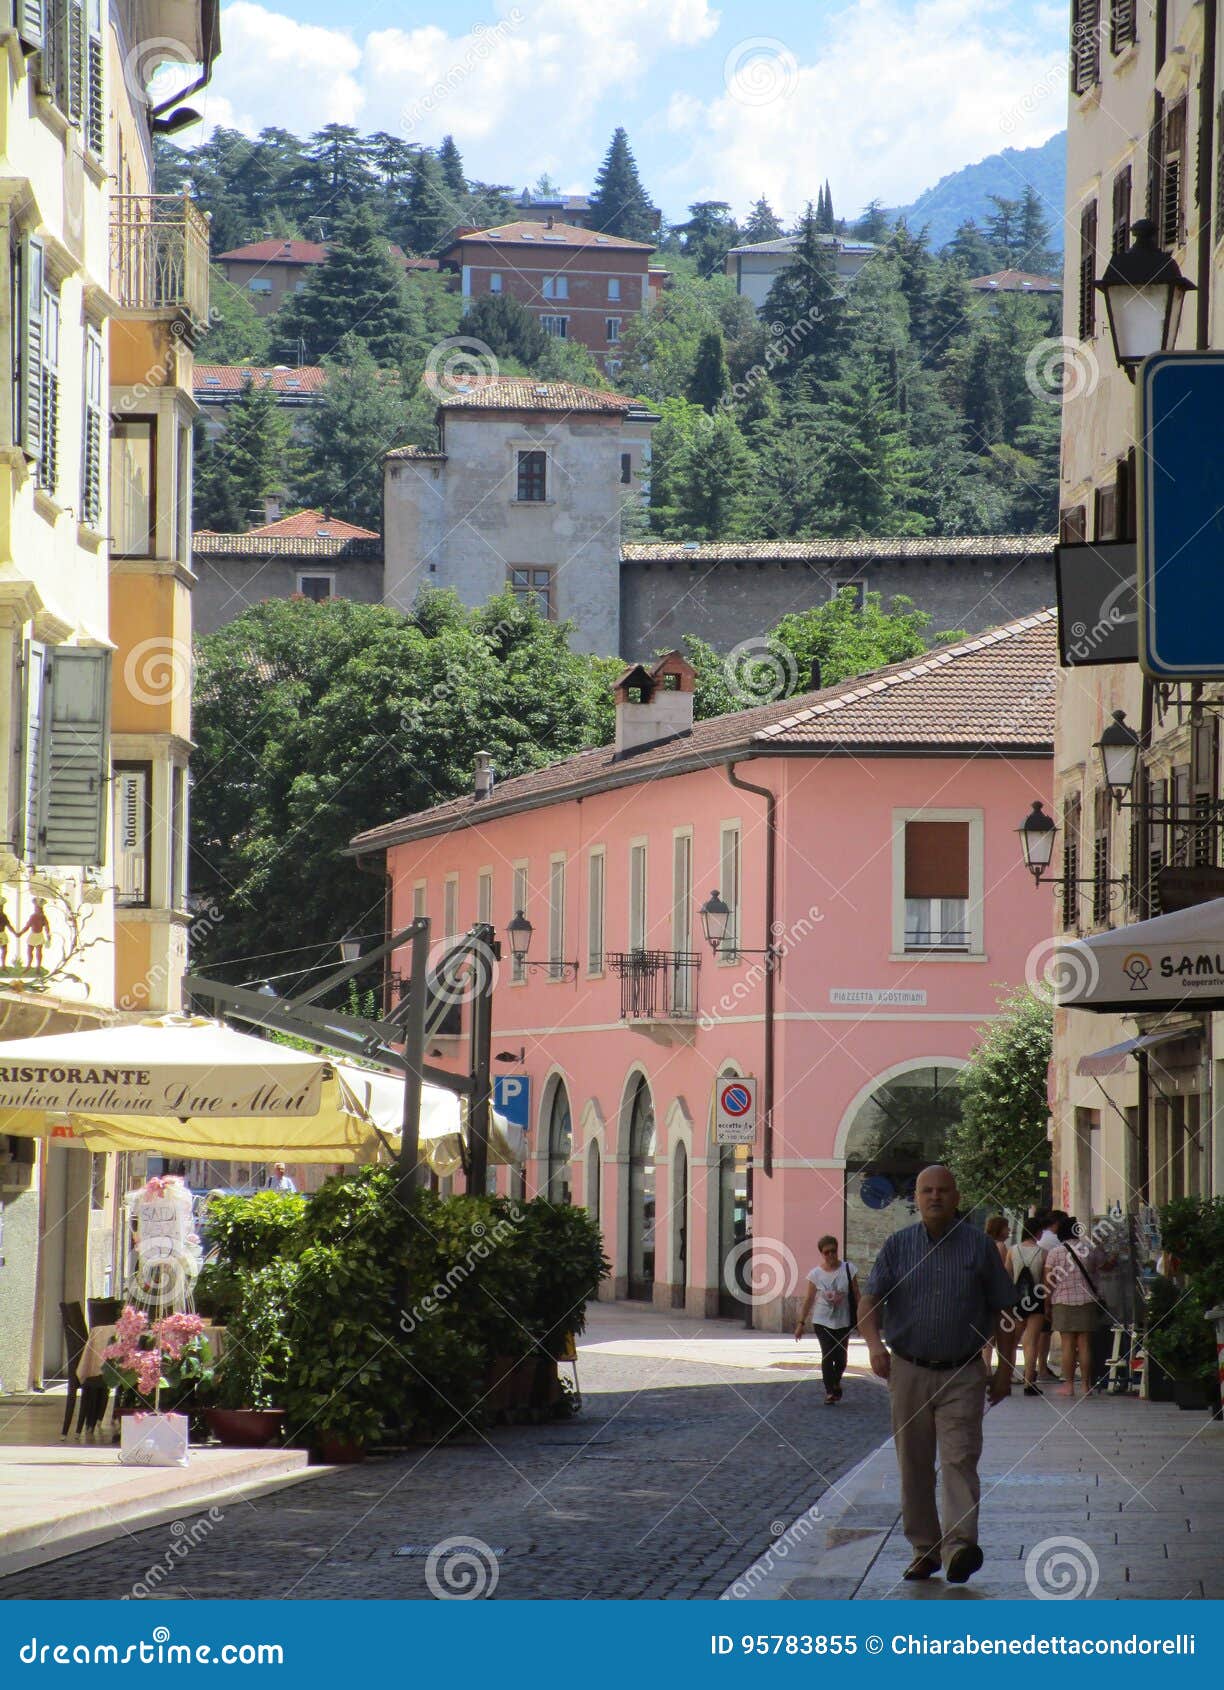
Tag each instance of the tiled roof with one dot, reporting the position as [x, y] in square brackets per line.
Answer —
[528, 393]
[788, 243]
[279, 252]
[992, 695]
[838, 551]
[561, 234]
[1015, 281]
[305, 547]
[420, 453]
[313, 525]
[232, 378]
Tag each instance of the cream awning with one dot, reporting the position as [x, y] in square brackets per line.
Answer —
[1174, 961]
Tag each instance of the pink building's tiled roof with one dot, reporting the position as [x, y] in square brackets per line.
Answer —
[992, 695]
[314, 525]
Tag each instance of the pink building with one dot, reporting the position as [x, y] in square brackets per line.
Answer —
[871, 828]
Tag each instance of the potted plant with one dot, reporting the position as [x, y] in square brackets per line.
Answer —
[145, 1358]
[245, 1410]
[1181, 1341]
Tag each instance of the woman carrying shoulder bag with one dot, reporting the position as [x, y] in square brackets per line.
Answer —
[1026, 1262]
[832, 1303]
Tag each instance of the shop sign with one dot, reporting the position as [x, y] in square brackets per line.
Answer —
[1182, 888]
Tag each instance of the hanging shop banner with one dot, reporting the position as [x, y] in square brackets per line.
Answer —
[735, 1114]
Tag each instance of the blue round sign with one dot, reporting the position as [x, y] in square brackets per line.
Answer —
[877, 1191]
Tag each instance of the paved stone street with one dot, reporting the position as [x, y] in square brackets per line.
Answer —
[680, 1471]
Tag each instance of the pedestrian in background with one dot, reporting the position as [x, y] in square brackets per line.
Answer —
[941, 1289]
[997, 1228]
[280, 1180]
[1074, 1306]
[832, 1304]
[1026, 1264]
[1048, 1223]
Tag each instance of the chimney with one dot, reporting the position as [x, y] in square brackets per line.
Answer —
[552, 222]
[654, 704]
[483, 782]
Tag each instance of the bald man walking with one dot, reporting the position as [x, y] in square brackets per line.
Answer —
[943, 1292]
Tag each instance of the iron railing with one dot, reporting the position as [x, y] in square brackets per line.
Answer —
[657, 985]
[159, 254]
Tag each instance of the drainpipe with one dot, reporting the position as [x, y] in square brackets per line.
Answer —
[771, 965]
[1206, 156]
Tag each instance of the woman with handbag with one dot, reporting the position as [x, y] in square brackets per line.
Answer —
[832, 1304]
[1027, 1264]
[1075, 1307]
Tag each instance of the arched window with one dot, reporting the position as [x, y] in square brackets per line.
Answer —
[642, 1193]
[560, 1145]
[593, 1171]
[900, 1128]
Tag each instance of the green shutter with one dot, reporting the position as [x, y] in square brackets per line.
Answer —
[91, 452]
[71, 94]
[30, 24]
[95, 102]
[33, 269]
[75, 757]
[35, 675]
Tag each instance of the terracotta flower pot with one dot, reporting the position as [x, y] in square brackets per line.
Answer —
[336, 1450]
[245, 1428]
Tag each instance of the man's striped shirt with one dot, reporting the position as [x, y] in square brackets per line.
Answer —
[940, 1295]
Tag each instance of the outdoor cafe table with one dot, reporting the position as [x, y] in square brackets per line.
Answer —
[90, 1364]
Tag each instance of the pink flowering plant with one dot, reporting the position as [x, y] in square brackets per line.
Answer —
[151, 1356]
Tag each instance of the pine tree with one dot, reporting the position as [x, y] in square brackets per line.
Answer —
[619, 205]
[507, 328]
[1003, 232]
[763, 224]
[1033, 236]
[971, 250]
[709, 235]
[339, 170]
[237, 334]
[215, 505]
[244, 464]
[701, 477]
[873, 224]
[360, 290]
[452, 171]
[432, 210]
[364, 412]
[825, 220]
[871, 477]
[807, 301]
[711, 378]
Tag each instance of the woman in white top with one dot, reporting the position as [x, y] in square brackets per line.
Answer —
[831, 1304]
[1027, 1264]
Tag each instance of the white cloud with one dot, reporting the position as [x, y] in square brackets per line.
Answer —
[276, 71]
[898, 96]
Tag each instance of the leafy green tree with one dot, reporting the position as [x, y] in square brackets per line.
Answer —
[763, 224]
[361, 290]
[237, 334]
[315, 721]
[709, 235]
[246, 463]
[619, 204]
[507, 328]
[998, 1149]
[363, 412]
[711, 378]
[659, 347]
[701, 474]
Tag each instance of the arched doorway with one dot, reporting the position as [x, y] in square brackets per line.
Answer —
[680, 1225]
[641, 1193]
[899, 1128]
[593, 1171]
[733, 1249]
[560, 1145]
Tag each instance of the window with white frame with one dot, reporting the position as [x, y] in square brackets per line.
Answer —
[49, 457]
[937, 879]
[450, 906]
[682, 919]
[637, 895]
[178, 838]
[614, 287]
[420, 900]
[729, 875]
[595, 911]
[316, 588]
[133, 833]
[612, 329]
[259, 285]
[519, 902]
[557, 327]
[495, 281]
[133, 456]
[556, 287]
[484, 896]
[556, 915]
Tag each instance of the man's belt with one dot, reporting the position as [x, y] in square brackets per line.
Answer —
[940, 1366]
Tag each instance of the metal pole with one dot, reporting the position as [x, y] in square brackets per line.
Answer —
[408, 1171]
[480, 1061]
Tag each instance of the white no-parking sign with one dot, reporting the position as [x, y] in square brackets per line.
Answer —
[735, 1113]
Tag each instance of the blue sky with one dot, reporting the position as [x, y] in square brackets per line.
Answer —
[720, 100]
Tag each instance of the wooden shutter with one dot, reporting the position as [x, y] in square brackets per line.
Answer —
[1073, 526]
[1100, 856]
[1071, 858]
[33, 271]
[1172, 175]
[31, 747]
[73, 55]
[95, 100]
[29, 19]
[91, 444]
[1121, 24]
[72, 809]
[1157, 841]
[1105, 513]
[1203, 791]
[936, 859]
[1087, 275]
[1121, 210]
[1085, 45]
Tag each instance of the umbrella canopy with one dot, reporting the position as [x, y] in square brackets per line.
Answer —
[443, 1131]
[1172, 961]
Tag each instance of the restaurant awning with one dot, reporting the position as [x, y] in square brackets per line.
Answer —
[1112, 1060]
[1172, 961]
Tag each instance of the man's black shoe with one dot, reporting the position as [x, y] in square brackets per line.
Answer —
[964, 1562]
[922, 1567]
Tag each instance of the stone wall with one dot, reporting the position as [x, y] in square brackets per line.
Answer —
[228, 585]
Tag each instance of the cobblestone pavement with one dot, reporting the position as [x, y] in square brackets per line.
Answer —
[667, 1485]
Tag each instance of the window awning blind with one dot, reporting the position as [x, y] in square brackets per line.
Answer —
[937, 859]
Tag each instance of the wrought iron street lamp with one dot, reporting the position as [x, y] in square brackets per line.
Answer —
[1037, 840]
[1118, 748]
[1144, 292]
[519, 933]
[350, 948]
[715, 924]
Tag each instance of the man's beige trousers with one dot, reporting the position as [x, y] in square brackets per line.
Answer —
[938, 1414]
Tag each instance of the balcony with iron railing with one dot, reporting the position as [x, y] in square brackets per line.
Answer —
[656, 985]
[159, 255]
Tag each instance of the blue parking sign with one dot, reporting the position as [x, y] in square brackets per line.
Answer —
[512, 1099]
[1181, 517]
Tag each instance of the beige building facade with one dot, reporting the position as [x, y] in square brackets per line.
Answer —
[1144, 140]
